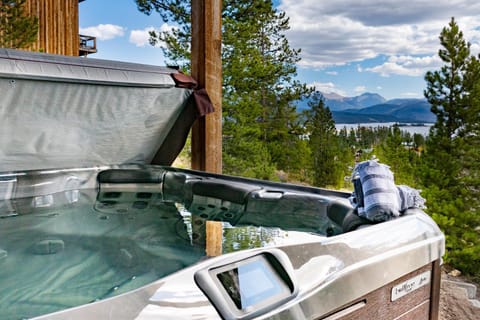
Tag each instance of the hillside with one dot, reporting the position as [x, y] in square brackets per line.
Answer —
[358, 102]
[371, 107]
[350, 117]
[337, 102]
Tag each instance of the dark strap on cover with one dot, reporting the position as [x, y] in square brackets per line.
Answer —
[197, 106]
[202, 100]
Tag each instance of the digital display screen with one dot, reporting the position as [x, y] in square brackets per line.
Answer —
[252, 283]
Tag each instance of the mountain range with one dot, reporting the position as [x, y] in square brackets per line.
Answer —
[372, 107]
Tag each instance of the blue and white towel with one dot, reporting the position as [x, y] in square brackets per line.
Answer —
[376, 196]
[410, 198]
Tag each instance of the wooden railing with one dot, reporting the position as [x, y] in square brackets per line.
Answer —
[88, 45]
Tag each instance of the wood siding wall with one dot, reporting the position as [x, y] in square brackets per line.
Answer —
[57, 26]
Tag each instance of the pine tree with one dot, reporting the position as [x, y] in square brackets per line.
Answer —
[17, 30]
[418, 141]
[451, 156]
[324, 143]
[445, 92]
[470, 133]
[261, 127]
[396, 152]
[259, 90]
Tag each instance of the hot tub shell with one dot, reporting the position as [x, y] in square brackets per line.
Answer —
[102, 121]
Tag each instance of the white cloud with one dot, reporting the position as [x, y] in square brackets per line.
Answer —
[360, 89]
[332, 33]
[326, 87]
[332, 73]
[104, 31]
[407, 66]
[140, 37]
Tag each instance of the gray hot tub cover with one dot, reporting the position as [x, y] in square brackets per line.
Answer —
[58, 111]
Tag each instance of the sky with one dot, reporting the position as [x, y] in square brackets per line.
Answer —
[348, 46]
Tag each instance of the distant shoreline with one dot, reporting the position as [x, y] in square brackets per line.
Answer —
[422, 124]
[421, 127]
[388, 124]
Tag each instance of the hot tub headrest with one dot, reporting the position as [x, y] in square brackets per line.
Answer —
[129, 176]
[226, 190]
[179, 186]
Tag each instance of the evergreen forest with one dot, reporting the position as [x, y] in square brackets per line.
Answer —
[17, 30]
[264, 136]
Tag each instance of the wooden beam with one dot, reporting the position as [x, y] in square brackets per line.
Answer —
[435, 290]
[214, 236]
[207, 70]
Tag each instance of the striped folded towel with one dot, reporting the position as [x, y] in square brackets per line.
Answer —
[376, 196]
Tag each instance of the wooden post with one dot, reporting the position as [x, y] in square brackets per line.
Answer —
[435, 290]
[207, 70]
[214, 236]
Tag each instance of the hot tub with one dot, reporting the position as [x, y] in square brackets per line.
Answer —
[95, 225]
[143, 242]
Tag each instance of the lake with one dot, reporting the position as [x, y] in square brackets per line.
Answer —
[411, 128]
